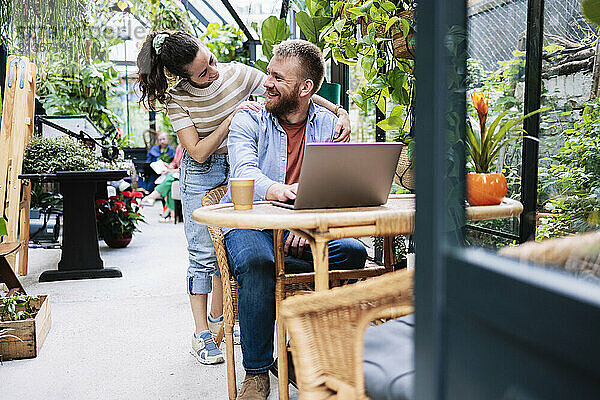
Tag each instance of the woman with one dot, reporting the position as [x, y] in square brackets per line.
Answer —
[163, 189]
[161, 151]
[201, 106]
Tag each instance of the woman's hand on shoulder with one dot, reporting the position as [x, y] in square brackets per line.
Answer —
[342, 129]
[249, 105]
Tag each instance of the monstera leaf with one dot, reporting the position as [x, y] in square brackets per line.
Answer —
[274, 31]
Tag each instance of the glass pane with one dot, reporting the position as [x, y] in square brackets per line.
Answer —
[569, 169]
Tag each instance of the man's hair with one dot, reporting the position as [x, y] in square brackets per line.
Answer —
[312, 64]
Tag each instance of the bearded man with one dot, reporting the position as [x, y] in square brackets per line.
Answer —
[268, 146]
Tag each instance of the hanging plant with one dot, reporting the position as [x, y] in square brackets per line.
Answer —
[42, 28]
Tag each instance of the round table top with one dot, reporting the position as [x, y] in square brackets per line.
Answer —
[400, 209]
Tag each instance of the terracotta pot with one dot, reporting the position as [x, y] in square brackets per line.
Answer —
[118, 243]
[485, 189]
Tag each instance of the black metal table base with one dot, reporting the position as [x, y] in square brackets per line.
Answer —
[80, 256]
[54, 275]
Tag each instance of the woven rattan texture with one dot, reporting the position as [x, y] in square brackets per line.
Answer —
[327, 328]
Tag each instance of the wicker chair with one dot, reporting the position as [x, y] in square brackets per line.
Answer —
[285, 285]
[578, 254]
[327, 329]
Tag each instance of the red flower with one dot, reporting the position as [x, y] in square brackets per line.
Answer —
[134, 201]
[99, 202]
[120, 204]
[114, 198]
[135, 193]
[115, 208]
[126, 193]
[481, 105]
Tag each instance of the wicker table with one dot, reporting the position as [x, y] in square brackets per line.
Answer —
[396, 217]
[318, 227]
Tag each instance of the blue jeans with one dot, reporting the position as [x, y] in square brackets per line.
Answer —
[195, 180]
[252, 262]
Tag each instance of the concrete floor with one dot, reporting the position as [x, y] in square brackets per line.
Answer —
[123, 338]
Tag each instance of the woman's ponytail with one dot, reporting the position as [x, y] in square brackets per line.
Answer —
[172, 51]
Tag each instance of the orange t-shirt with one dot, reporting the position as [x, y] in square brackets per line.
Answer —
[295, 150]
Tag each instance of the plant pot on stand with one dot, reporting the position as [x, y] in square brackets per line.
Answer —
[120, 242]
[485, 189]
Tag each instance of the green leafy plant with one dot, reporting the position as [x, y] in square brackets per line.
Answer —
[85, 89]
[312, 20]
[224, 42]
[18, 307]
[273, 31]
[362, 33]
[43, 28]
[162, 15]
[591, 10]
[483, 148]
[571, 179]
[118, 216]
[67, 155]
[3, 231]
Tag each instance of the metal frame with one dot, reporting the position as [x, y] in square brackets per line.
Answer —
[533, 92]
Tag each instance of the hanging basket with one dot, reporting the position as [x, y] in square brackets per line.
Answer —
[404, 47]
[405, 175]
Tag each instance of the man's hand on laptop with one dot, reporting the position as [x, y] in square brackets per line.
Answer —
[281, 192]
[294, 245]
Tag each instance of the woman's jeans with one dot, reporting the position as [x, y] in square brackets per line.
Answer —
[195, 180]
[252, 261]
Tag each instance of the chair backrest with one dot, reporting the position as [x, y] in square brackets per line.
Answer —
[18, 109]
[149, 136]
[216, 235]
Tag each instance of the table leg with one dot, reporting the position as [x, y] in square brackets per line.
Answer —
[320, 253]
[282, 364]
[80, 258]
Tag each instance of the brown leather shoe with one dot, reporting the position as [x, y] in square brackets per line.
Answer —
[255, 387]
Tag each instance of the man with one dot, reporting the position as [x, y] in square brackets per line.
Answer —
[268, 146]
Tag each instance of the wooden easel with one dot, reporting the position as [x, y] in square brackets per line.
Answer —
[17, 130]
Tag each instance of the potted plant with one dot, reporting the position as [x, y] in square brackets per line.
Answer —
[117, 218]
[310, 21]
[24, 325]
[484, 187]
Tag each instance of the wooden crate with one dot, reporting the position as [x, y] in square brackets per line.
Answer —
[32, 332]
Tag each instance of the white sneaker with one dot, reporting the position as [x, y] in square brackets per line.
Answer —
[216, 325]
[205, 349]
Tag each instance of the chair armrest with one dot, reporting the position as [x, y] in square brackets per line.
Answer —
[326, 330]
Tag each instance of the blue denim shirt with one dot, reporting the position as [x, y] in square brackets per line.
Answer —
[257, 145]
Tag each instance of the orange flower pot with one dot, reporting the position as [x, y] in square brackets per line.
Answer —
[485, 189]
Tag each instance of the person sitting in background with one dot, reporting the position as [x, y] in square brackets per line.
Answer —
[163, 190]
[161, 151]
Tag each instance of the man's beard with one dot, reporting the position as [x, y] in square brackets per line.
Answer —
[284, 104]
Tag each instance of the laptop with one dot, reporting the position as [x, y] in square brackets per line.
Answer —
[336, 175]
